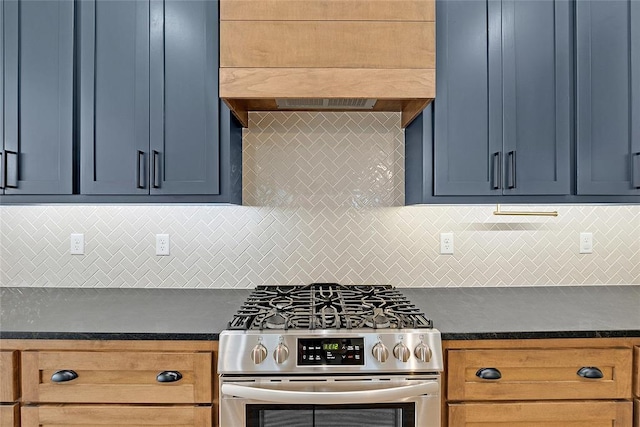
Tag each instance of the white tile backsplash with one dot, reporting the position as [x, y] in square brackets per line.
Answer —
[323, 202]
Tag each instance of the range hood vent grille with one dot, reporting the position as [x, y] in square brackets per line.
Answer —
[326, 103]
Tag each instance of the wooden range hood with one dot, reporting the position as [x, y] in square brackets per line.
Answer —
[329, 55]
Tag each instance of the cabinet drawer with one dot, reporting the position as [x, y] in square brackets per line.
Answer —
[116, 377]
[536, 374]
[9, 415]
[548, 414]
[9, 390]
[85, 415]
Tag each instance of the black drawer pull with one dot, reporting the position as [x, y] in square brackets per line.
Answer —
[64, 376]
[489, 374]
[590, 372]
[169, 377]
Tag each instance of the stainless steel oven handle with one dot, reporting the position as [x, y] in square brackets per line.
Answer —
[330, 397]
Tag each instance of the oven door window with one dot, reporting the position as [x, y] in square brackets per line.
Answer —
[375, 415]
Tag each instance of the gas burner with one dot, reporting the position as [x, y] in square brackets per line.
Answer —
[327, 306]
[377, 320]
[275, 321]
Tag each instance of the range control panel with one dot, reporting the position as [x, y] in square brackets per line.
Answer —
[330, 351]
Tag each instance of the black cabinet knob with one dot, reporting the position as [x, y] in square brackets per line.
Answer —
[590, 372]
[64, 375]
[169, 377]
[489, 374]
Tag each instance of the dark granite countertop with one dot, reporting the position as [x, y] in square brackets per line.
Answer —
[201, 314]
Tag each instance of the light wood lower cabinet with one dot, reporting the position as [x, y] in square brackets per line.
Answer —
[542, 382]
[636, 386]
[636, 371]
[116, 377]
[9, 415]
[9, 387]
[131, 416]
[538, 414]
[111, 383]
[540, 374]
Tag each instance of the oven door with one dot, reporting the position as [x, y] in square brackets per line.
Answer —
[315, 401]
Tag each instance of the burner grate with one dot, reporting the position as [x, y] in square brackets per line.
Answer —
[328, 306]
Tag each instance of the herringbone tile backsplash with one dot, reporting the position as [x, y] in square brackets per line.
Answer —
[323, 198]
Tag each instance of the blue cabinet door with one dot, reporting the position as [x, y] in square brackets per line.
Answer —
[114, 96]
[37, 112]
[185, 137]
[537, 91]
[467, 123]
[2, 167]
[502, 115]
[608, 97]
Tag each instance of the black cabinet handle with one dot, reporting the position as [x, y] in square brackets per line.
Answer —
[14, 184]
[140, 170]
[156, 169]
[590, 372]
[489, 374]
[512, 170]
[64, 376]
[169, 377]
[3, 169]
[635, 170]
[497, 170]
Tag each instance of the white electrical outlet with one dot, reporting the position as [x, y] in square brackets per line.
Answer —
[446, 243]
[586, 243]
[77, 244]
[162, 244]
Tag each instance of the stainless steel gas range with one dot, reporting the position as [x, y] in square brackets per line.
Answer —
[329, 355]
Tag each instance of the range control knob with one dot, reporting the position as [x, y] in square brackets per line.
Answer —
[281, 353]
[423, 352]
[401, 352]
[380, 352]
[258, 354]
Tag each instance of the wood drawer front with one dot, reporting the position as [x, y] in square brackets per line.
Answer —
[547, 414]
[327, 44]
[9, 390]
[131, 416]
[636, 414]
[322, 10]
[9, 415]
[116, 377]
[636, 371]
[536, 374]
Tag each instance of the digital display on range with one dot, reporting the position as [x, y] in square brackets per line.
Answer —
[330, 351]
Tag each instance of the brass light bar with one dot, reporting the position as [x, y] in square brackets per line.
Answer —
[520, 213]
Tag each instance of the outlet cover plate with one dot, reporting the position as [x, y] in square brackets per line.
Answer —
[446, 243]
[586, 243]
[162, 245]
[77, 244]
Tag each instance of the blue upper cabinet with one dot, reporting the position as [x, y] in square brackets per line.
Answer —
[114, 96]
[608, 97]
[502, 114]
[150, 117]
[184, 145]
[537, 80]
[36, 97]
[464, 105]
